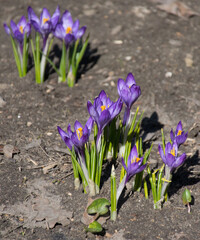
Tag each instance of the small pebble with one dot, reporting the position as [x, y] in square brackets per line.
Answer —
[89, 12]
[118, 42]
[168, 74]
[29, 124]
[112, 83]
[128, 58]
[49, 133]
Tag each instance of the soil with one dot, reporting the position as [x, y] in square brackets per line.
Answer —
[163, 53]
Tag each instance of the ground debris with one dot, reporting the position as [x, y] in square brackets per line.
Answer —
[8, 150]
[33, 144]
[175, 7]
[42, 208]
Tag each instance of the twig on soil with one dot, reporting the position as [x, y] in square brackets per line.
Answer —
[60, 179]
[12, 230]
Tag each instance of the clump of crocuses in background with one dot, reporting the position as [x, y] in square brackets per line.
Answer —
[71, 36]
[19, 35]
[46, 27]
[171, 160]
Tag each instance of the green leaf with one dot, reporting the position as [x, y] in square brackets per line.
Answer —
[94, 227]
[99, 206]
[186, 197]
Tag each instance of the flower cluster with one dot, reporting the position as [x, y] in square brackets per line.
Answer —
[47, 26]
[104, 113]
[170, 156]
[171, 160]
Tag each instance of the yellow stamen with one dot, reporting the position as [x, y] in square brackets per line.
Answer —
[45, 20]
[21, 29]
[79, 133]
[179, 132]
[103, 108]
[135, 159]
[68, 30]
[173, 152]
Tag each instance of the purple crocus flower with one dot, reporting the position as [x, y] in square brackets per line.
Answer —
[81, 134]
[180, 136]
[129, 92]
[66, 137]
[68, 30]
[103, 111]
[18, 31]
[46, 24]
[170, 157]
[134, 164]
[79, 137]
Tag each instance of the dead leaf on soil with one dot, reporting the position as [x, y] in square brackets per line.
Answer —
[118, 235]
[44, 210]
[189, 60]
[8, 150]
[175, 7]
[33, 144]
[2, 102]
[47, 168]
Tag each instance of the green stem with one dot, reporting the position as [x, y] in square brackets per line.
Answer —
[16, 55]
[113, 195]
[62, 76]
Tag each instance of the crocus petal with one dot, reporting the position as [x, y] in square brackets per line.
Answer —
[169, 159]
[22, 22]
[46, 29]
[181, 138]
[168, 147]
[133, 154]
[135, 93]
[80, 32]
[77, 125]
[120, 85]
[126, 116]
[44, 17]
[172, 135]
[65, 137]
[13, 26]
[59, 32]
[36, 26]
[102, 96]
[27, 29]
[179, 127]
[67, 20]
[124, 165]
[68, 39]
[55, 17]
[161, 153]
[115, 108]
[19, 36]
[89, 124]
[140, 169]
[175, 147]
[130, 80]
[76, 141]
[91, 109]
[32, 16]
[104, 119]
[69, 130]
[75, 27]
[179, 160]
[7, 29]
